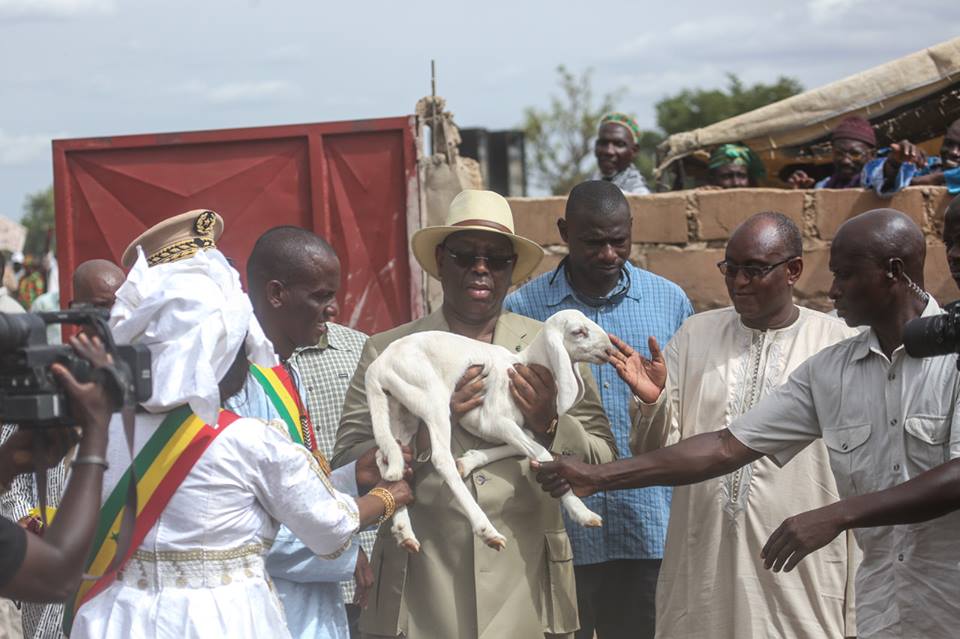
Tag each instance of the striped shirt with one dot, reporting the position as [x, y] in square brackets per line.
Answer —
[634, 521]
[325, 371]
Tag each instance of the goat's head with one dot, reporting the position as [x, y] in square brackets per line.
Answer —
[573, 338]
[583, 339]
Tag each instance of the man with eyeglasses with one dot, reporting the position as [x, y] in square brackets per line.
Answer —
[854, 142]
[616, 565]
[456, 586]
[718, 366]
[884, 416]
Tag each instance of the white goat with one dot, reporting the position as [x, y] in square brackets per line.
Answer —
[415, 376]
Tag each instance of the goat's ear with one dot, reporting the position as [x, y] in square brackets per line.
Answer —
[565, 372]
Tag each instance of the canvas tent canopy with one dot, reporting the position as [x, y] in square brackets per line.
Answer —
[914, 97]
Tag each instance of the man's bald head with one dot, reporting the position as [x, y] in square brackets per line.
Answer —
[596, 199]
[287, 254]
[882, 235]
[770, 233]
[96, 282]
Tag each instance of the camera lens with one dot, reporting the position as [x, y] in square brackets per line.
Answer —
[15, 329]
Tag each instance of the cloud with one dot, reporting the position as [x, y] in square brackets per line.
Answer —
[20, 149]
[826, 10]
[239, 92]
[54, 9]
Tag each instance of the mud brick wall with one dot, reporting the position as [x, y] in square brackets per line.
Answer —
[681, 235]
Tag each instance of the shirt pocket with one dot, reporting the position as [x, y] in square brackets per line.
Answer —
[849, 458]
[559, 595]
[926, 442]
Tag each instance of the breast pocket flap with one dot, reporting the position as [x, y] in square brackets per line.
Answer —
[930, 429]
[846, 438]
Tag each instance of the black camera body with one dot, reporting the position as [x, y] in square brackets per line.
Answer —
[29, 393]
[936, 335]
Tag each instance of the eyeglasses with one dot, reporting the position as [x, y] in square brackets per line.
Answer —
[753, 272]
[854, 154]
[493, 262]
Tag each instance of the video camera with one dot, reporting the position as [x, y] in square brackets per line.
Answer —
[933, 336]
[29, 393]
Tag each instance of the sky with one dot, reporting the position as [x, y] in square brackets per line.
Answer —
[82, 68]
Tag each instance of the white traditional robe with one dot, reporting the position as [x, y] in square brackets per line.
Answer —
[200, 572]
[712, 581]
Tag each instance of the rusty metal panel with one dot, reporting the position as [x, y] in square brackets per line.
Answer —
[347, 181]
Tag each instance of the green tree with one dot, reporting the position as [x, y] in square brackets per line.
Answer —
[559, 139]
[38, 217]
[695, 108]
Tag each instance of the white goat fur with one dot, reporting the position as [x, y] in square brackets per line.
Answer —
[415, 376]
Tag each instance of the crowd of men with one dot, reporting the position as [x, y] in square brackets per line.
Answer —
[762, 470]
[857, 161]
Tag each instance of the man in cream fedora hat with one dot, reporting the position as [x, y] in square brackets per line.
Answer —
[457, 586]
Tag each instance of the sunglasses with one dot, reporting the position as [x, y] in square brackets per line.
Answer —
[753, 272]
[493, 262]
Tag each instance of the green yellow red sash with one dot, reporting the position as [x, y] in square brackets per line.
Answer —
[161, 466]
[283, 394]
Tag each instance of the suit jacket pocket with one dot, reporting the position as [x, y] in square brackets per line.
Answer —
[559, 595]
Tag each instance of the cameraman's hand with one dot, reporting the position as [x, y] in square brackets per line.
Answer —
[89, 402]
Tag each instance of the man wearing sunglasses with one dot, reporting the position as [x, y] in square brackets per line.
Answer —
[456, 586]
[854, 143]
[617, 565]
[718, 366]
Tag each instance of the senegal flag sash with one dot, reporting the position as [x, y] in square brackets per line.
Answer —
[283, 394]
[161, 466]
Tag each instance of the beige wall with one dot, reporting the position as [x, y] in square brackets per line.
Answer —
[681, 235]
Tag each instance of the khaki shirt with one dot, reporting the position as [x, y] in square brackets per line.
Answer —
[456, 586]
[884, 421]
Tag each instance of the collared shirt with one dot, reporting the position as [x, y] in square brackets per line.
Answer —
[634, 521]
[630, 180]
[884, 421]
[325, 371]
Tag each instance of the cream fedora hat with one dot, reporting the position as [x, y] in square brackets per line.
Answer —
[473, 210]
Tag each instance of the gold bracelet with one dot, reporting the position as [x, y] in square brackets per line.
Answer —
[389, 503]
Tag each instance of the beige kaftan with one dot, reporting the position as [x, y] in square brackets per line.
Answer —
[712, 582]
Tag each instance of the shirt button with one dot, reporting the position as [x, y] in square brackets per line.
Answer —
[896, 466]
[900, 557]
[481, 479]
[606, 384]
[892, 376]
[843, 446]
[893, 422]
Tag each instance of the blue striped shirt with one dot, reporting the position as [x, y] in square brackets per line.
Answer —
[634, 521]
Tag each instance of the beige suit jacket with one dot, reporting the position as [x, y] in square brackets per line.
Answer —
[457, 587]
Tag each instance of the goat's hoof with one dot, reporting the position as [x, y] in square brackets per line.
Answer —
[393, 474]
[469, 462]
[594, 522]
[410, 545]
[496, 541]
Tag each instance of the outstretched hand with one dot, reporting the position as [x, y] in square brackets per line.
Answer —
[645, 377]
[566, 473]
[798, 536]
